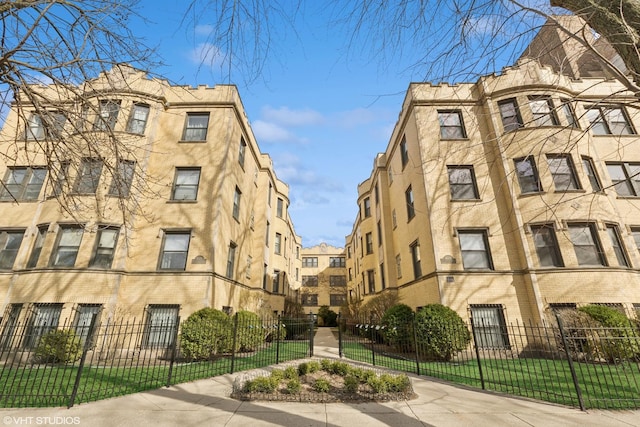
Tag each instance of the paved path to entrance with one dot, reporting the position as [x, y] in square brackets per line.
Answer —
[207, 403]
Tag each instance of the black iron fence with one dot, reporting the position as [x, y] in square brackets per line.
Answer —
[68, 363]
[572, 364]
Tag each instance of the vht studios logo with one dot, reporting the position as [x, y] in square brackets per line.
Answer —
[43, 421]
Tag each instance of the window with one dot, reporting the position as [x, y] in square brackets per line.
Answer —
[309, 300]
[367, 207]
[175, 246]
[371, 281]
[248, 268]
[45, 318]
[586, 244]
[10, 241]
[84, 320]
[563, 172]
[474, 246]
[8, 331]
[231, 260]
[569, 114]
[122, 179]
[404, 152]
[510, 114]
[162, 321]
[105, 248]
[37, 246]
[608, 120]
[50, 125]
[542, 111]
[279, 207]
[66, 248]
[61, 178]
[544, 238]
[382, 281]
[408, 196]
[350, 274]
[590, 171]
[237, 195]
[269, 194]
[310, 281]
[369, 240]
[276, 281]
[398, 266]
[88, 176]
[264, 277]
[267, 234]
[278, 244]
[616, 243]
[185, 186]
[462, 183]
[337, 262]
[379, 227]
[635, 232]
[337, 280]
[451, 125]
[107, 116]
[242, 151]
[376, 194]
[195, 128]
[309, 261]
[527, 175]
[337, 300]
[394, 220]
[489, 326]
[625, 178]
[138, 119]
[415, 260]
[22, 183]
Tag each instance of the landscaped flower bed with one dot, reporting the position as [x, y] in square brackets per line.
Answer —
[322, 381]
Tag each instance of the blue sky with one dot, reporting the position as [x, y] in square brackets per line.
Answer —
[320, 110]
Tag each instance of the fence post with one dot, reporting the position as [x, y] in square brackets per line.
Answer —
[233, 345]
[278, 340]
[574, 376]
[373, 350]
[415, 342]
[174, 344]
[85, 350]
[340, 325]
[310, 334]
[477, 351]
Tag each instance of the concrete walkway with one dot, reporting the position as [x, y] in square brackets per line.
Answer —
[207, 403]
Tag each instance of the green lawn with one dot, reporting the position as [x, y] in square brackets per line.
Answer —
[603, 386]
[46, 386]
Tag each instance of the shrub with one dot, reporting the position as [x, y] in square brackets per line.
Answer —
[441, 332]
[396, 384]
[618, 340]
[362, 375]
[206, 333]
[308, 367]
[398, 326]
[58, 346]
[250, 333]
[293, 386]
[377, 384]
[340, 368]
[291, 373]
[277, 374]
[327, 316]
[261, 385]
[322, 385]
[351, 384]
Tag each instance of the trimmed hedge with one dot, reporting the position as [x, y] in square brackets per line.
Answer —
[205, 334]
[441, 332]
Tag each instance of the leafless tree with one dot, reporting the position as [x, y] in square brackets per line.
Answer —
[50, 55]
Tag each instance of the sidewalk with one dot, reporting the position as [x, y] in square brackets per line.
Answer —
[207, 402]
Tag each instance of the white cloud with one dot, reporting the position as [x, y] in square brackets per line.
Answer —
[206, 54]
[204, 30]
[272, 132]
[285, 116]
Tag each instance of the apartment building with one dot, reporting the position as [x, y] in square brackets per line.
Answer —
[324, 278]
[506, 197]
[155, 202]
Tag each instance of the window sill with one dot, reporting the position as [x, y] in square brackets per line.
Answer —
[20, 201]
[199, 141]
[609, 135]
[171, 270]
[182, 201]
[465, 200]
[536, 193]
[579, 190]
[466, 138]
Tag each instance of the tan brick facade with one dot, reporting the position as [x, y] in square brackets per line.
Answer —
[193, 198]
[324, 278]
[513, 193]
